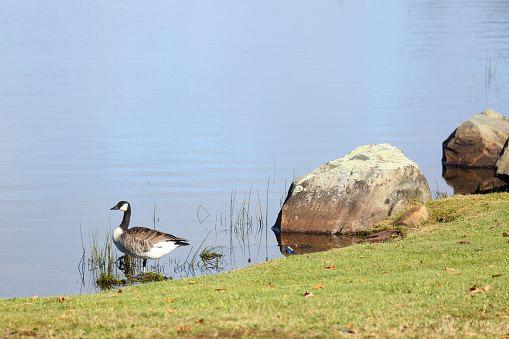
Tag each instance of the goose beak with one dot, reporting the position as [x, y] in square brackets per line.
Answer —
[114, 208]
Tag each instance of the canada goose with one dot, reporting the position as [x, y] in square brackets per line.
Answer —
[141, 242]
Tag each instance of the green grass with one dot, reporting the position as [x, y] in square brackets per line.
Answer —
[446, 279]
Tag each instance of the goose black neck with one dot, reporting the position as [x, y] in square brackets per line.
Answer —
[127, 218]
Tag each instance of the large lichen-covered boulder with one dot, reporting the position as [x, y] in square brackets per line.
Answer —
[477, 142]
[352, 193]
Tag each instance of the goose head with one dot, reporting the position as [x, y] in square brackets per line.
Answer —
[122, 206]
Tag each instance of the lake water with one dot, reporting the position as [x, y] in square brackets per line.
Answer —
[174, 105]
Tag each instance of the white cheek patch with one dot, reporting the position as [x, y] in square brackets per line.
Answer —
[124, 207]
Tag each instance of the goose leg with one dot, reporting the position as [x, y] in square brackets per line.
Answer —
[144, 266]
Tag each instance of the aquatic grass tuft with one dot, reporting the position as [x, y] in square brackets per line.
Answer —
[245, 225]
[438, 194]
[110, 281]
[201, 261]
[212, 257]
[490, 69]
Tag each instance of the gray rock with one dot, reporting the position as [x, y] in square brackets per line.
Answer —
[502, 165]
[352, 193]
[477, 142]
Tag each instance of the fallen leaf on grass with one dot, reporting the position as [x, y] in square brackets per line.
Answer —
[362, 256]
[199, 321]
[487, 288]
[193, 282]
[479, 249]
[504, 317]
[61, 299]
[420, 262]
[330, 267]
[63, 315]
[475, 290]
[35, 297]
[351, 281]
[352, 331]
[71, 311]
[119, 290]
[271, 286]
[450, 269]
[169, 300]
[363, 279]
[182, 328]
[318, 287]
[464, 242]
[497, 275]
[286, 296]
[505, 234]
[454, 272]
[491, 265]
[308, 294]
[221, 289]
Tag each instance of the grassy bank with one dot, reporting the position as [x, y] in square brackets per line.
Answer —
[449, 278]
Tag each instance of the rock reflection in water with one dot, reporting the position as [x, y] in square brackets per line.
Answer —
[471, 180]
[304, 243]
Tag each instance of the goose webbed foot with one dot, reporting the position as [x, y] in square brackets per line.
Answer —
[144, 273]
[120, 263]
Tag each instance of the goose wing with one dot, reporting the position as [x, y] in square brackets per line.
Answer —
[152, 236]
